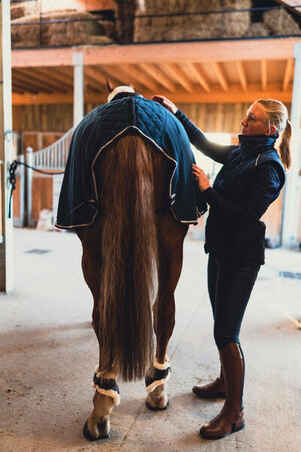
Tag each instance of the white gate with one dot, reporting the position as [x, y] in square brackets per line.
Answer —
[51, 159]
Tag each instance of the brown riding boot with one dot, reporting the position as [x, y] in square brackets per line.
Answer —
[231, 418]
[214, 390]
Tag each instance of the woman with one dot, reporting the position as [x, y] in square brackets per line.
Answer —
[250, 180]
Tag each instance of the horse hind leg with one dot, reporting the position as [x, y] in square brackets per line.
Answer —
[171, 235]
[106, 397]
[156, 382]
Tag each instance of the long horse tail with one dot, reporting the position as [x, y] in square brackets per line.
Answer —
[129, 256]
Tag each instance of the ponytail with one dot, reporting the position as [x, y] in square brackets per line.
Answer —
[284, 146]
[278, 116]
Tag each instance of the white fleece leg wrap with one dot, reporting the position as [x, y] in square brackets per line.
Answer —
[161, 376]
[109, 393]
[106, 386]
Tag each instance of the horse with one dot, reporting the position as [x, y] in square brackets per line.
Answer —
[132, 256]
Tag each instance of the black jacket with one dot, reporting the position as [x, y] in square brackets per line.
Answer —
[250, 180]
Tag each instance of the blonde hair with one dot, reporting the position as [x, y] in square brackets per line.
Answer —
[278, 117]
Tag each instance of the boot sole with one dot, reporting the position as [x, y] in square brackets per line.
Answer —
[216, 395]
[234, 429]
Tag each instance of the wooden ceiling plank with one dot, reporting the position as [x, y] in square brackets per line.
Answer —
[173, 70]
[115, 76]
[18, 90]
[92, 84]
[62, 76]
[234, 95]
[29, 83]
[220, 75]
[96, 75]
[241, 74]
[34, 78]
[287, 74]
[158, 75]
[222, 51]
[137, 74]
[53, 77]
[19, 86]
[197, 73]
[264, 74]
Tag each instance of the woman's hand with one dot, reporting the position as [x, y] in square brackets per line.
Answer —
[201, 178]
[166, 103]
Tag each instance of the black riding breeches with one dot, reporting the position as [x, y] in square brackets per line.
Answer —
[229, 289]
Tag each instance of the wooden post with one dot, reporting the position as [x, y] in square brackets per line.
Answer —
[291, 211]
[6, 224]
[29, 162]
[22, 191]
[78, 87]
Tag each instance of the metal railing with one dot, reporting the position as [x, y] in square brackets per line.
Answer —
[53, 157]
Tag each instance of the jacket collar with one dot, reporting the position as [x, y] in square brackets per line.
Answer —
[254, 144]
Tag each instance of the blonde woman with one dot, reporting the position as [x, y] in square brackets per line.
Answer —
[251, 178]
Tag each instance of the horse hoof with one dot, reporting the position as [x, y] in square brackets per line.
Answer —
[156, 408]
[89, 437]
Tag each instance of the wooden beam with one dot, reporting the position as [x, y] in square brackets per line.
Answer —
[264, 74]
[41, 98]
[95, 74]
[34, 77]
[235, 94]
[249, 49]
[53, 76]
[175, 73]
[25, 79]
[157, 74]
[19, 90]
[67, 79]
[220, 75]
[18, 85]
[91, 83]
[241, 74]
[134, 73]
[196, 71]
[287, 74]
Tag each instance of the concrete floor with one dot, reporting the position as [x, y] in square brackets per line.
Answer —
[48, 352]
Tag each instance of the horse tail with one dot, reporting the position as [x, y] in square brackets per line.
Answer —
[129, 257]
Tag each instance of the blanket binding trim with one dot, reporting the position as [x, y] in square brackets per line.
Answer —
[171, 195]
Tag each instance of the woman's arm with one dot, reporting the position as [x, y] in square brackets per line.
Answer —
[217, 152]
[265, 189]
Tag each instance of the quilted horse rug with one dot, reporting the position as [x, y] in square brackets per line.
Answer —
[80, 197]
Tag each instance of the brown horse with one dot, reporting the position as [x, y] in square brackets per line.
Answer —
[135, 243]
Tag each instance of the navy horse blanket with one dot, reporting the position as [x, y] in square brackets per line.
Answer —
[80, 196]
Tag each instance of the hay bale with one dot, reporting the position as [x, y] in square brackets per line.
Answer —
[108, 27]
[280, 22]
[78, 31]
[177, 27]
[236, 23]
[99, 40]
[198, 26]
[257, 29]
[67, 33]
[24, 9]
[125, 12]
[23, 35]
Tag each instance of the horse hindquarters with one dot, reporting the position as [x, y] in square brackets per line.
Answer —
[128, 255]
